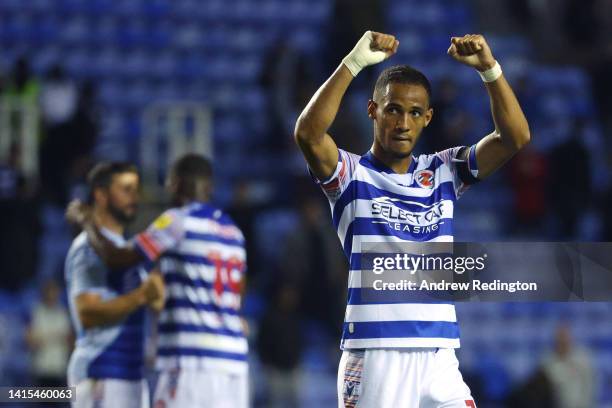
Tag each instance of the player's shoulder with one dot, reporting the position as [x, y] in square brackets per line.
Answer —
[349, 155]
[227, 224]
[80, 255]
[79, 245]
[217, 220]
[350, 158]
[171, 217]
[444, 157]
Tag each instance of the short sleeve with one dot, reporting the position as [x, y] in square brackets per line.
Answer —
[335, 185]
[85, 273]
[462, 163]
[164, 234]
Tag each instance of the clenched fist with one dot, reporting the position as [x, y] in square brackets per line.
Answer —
[472, 50]
[154, 290]
[371, 49]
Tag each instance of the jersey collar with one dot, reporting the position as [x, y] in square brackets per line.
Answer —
[380, 166]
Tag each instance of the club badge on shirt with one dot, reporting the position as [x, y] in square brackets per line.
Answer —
[425, 178]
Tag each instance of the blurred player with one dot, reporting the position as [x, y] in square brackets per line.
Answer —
[202, 349]
[402, 354]
[107, 365]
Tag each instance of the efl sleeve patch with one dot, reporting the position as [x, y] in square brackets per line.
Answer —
[335, 185]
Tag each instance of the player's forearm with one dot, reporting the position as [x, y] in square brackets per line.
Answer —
[319, 114]
[113, 256]
[510, 121]
[112, 311]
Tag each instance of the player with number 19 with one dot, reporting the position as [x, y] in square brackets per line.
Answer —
[202, 348]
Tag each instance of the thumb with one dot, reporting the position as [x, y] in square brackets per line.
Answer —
[452, 50]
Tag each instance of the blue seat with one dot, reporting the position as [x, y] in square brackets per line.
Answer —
[110, 94]
[78, 63]
[127, 9]
[188, 37]
[161, 66]
[156, 9]
[131, 36]
[75, 32]
[306, 40]
[159, 36]
[134, 64]
[99, 7]
[108, 63]
[214, 10]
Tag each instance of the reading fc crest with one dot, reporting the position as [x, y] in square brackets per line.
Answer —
[425, 178]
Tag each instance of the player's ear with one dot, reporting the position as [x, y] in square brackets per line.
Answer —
[209, 188]
[428, 115]
[372, 109]
[171, 184]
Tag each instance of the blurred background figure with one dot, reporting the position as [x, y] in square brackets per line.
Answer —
[313, 262]
[50, 338]
[280, 346]
[569, 161]
[536, 392]
[529, 180]
[69, 127]
[20, 220]
[453, 122]
[58, 100]
[570, 371]
[22, 85]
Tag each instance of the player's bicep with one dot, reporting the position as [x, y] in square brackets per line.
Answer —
[321, 155]
[491, 154]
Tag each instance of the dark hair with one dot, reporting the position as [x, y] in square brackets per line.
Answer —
[102, 174]
[192, 168]
[402, 74]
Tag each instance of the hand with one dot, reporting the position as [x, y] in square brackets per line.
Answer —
[78, 213]
[472, 50]
[371, 49]
[154, 291]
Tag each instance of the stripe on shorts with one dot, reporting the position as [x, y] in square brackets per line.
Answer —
[351, 390]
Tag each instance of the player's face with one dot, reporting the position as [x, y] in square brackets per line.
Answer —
[400, 114]
[123, 196]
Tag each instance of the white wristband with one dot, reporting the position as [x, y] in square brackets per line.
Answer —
[352, 65]
[491, 74]
[362, 55]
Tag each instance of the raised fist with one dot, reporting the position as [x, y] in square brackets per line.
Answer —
[371, 49]
[472, 50]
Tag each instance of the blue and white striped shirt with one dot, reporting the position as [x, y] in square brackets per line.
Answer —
[371, 203]
[202, 259]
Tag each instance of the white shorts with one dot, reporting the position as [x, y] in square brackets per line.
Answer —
[202, 389]
[111, 393]
[411, 378]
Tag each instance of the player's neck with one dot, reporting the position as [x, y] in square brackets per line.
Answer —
[398, 165]
[196, 198]
[106, 220]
